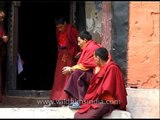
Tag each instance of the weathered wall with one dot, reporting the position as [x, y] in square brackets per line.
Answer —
[120, 34]
[143, 103]
[143, 45]
[106, 25]
[94, 19]
[98, 21]
[134, 52]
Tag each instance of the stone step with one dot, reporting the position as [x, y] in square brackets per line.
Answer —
[33, 107]
[52, 112]
[20, 102]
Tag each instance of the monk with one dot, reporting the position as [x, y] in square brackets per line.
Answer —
[67, 50]
[106, 91]
[78, 82]
[3, 45]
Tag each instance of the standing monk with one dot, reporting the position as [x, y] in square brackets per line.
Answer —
[3, 41]
[67, 50]
[106, 91]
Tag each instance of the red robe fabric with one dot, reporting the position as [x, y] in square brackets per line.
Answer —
[2, 53]
[65, 58]
[108, 79]
[86, 58]
[78, 82]
[71, 42]
[2, 43]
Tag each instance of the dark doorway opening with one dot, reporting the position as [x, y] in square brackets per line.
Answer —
[6, 7]
[37, 44]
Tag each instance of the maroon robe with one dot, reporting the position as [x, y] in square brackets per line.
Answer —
[65, 58]
[87, 55]
[108, 79]
[78, 82]
[2, 53]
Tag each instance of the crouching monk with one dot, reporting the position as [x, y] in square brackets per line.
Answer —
[106, 91]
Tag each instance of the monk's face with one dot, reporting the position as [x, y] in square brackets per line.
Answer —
[96, 59]
[2, 16]
[81, 42]
[61, 27]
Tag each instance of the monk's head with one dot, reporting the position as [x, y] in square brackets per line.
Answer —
[83, 38]
[60, 24]
[101, 56]
[2, 16]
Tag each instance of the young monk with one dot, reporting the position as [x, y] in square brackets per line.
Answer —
[67, 50]
[106, 91]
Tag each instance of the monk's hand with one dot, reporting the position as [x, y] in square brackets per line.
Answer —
[5, 38]
[66, 70]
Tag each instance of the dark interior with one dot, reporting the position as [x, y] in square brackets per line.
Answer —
[37, 43]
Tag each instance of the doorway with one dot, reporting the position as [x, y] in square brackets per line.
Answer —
[37, 43]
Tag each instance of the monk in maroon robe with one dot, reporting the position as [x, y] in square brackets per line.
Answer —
[3, 41]
[67, 50]
[106, 91]
[78, 82]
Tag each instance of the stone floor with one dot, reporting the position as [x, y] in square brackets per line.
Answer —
[20, 102]
[51, 112]
[20, 107]
[142, 103]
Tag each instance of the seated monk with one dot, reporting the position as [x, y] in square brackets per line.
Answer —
[80, 74]
[106, 90]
